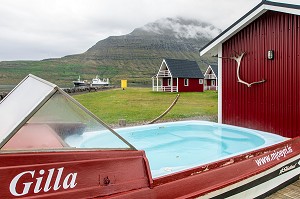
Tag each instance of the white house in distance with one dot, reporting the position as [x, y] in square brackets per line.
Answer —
[177, 75]
[211, 77]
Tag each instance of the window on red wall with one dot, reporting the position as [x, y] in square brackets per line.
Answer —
[200, 81]
[169, 82]
[186, 82]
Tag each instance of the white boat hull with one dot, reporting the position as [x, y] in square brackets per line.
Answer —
[261, 184]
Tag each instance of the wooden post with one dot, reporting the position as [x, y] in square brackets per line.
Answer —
[122, 122]
[157, 83]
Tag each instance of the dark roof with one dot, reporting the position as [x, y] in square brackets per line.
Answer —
[184, 68]
[215, 69]
[263, 2]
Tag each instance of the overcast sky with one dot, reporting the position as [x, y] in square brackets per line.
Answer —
[39, 29]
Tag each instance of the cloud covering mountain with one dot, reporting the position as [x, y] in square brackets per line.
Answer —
[182, 28]
[167, 34]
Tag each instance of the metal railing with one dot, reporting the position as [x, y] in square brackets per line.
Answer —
[164, 73]
[210, 76]
[214, 88]
[165, 88]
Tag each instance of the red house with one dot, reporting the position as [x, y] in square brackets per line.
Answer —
[258, 69]
[211, 77]
[176, 75]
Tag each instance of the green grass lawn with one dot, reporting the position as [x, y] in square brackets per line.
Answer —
[141, 105]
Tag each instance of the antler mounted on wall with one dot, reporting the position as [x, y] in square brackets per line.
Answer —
[238, 58]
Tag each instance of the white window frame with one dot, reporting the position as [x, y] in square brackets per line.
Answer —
[186, 82]
[213, 82]
[200, 81]
[169, 82]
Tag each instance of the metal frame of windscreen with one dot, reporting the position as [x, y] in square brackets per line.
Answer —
[56, 89]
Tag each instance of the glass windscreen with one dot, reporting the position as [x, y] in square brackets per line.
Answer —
[20, 103]
[61, 123]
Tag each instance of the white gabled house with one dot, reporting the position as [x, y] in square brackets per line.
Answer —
[211, 77]
[177, 75]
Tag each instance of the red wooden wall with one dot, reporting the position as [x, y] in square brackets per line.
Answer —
[165, 81]
[209, 83]
[273, 106]
[193, 86]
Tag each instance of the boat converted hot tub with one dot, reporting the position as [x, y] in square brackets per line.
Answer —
[52, 147]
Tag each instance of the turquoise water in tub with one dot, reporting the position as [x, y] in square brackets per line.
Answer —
[175, 146]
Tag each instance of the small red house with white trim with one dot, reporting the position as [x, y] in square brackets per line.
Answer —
[259, 69]
[211, 77]
[177, 75]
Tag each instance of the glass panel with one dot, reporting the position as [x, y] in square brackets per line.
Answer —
[19, 103]
[213, 82]
[34, 136]
[186, 82]
[62, 123]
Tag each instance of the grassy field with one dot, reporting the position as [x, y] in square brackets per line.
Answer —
[141, 105]
[58, 72]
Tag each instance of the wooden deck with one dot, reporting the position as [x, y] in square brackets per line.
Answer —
[290, 192]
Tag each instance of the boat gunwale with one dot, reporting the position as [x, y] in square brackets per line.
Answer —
[230, 161]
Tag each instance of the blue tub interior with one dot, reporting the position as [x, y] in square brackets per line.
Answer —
[175, 146]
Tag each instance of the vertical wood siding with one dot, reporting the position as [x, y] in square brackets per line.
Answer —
[193, 86]
[273, 106]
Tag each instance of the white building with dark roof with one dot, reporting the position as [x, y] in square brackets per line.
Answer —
[176, 75]
[211, 77]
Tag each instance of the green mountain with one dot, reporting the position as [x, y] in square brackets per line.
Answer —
[136, 56]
